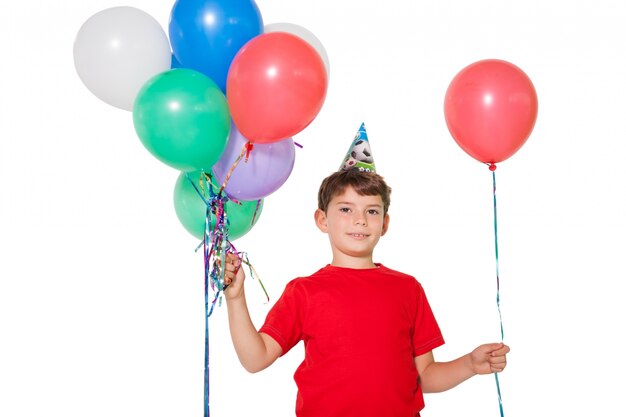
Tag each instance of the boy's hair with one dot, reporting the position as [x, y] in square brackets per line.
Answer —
[363, 183]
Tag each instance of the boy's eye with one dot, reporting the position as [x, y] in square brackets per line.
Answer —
[344, 209]
[373, 212]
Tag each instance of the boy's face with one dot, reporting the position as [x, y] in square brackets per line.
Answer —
[354, 224]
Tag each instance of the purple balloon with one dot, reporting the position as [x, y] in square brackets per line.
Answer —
[268, 167]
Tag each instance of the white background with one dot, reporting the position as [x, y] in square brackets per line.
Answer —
[101, 297]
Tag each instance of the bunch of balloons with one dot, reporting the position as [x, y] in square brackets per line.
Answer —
[219, 100]
[220, 86]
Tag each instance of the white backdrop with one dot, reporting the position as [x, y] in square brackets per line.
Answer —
[101, 298]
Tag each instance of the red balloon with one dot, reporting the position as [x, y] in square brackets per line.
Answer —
[491, 109]
[276, 86]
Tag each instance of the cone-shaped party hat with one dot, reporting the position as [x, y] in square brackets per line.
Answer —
[359, 154]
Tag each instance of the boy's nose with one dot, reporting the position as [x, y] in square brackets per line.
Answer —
[360, 220]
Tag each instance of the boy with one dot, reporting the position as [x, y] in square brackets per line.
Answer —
[368, 331]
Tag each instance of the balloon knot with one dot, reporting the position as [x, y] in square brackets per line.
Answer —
[492, 167]
[249, 148]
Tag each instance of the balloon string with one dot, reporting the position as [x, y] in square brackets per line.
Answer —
[215, 246]
[213, 243]
[207, 313]
[254, 274]
[247, 148]
[216, 204]
[256, 211]
[207, 411]
[495, 229]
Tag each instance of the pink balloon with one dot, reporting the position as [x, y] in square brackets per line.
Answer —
[268, 167]
[276, 86]
[490, 109]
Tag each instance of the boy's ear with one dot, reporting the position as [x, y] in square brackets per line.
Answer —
[385, 225]
[320, 220]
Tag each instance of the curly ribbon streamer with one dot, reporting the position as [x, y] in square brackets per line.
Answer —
[492, 168]
[246, 150]
[215, 248]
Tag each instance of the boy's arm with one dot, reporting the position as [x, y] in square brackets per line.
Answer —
[256, 351]
[441, 376]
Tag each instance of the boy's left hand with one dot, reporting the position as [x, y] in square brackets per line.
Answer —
[489, 358]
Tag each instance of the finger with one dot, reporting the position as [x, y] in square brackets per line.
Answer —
[233, 264]
[501, 351]
[497, 361]
[227, 262]
[497, 365]
[233, 259]
[496, 369]
[492, 347]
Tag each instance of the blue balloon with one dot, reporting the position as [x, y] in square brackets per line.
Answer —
[207, 34]
[174, 63]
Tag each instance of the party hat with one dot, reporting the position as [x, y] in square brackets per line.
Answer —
[359, 155]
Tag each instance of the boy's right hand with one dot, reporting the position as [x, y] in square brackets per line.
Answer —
[233, 277]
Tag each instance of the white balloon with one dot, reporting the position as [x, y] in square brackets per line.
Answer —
[117, 50]
[304, 34]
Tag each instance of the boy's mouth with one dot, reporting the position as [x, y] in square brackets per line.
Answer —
[358, 235]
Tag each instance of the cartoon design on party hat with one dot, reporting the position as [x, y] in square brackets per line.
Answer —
[359, 155]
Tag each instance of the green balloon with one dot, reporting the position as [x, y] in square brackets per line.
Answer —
[182, 118]
[191, 209]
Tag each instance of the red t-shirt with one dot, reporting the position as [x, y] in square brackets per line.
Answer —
[361, 330]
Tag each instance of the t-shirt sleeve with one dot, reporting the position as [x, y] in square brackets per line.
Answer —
[284, 320]
[426, 334]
